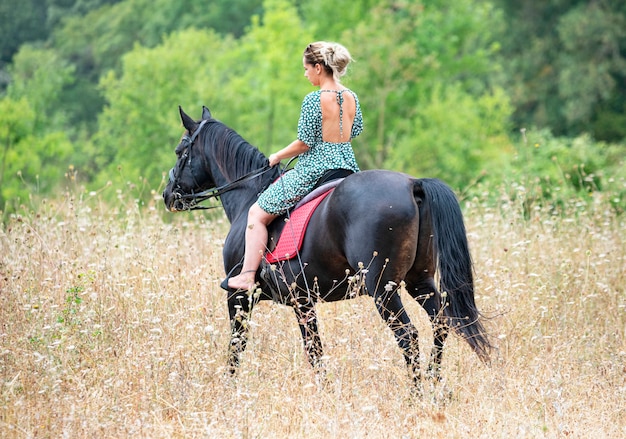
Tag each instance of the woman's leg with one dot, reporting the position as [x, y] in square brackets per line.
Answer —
[256, 243]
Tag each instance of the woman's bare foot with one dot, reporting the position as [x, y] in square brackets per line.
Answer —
[243, 281]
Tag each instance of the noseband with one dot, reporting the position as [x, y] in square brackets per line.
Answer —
[190, 201]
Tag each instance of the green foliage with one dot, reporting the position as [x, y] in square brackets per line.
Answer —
[564, 63]
[430, 50]
[21, 21]
[16, 118]
[97, 41]
[387, 70]
[70, 314]
[59, 10]
[139, 127]
[550, 170]
[592, 71]
[227, 17]
[459, 40]
[35, 147]
[439, 83]
[264, 82]
[39, 76]
[578, 163]
[455, 137]
[317, 15]
[248, 85]
[36, 165]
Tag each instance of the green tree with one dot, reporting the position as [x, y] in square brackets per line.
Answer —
[564, 63]
[27, 21]
[228, 17]
[318, 16]
[96, 42]
[250, 84]
[60, 10]
[592, 76]
[16, 118]
[139, 126]
[408, 54]
[387, 68]
[36, 150]
[39, 76]
[456, 137]
[32, 163]
[21, 21]
[266, 83]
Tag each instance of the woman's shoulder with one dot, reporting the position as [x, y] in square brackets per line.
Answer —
[353, 93]
[312, 99]
[356, 99]
[313, 96]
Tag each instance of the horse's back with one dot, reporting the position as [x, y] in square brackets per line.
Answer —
[376, 195]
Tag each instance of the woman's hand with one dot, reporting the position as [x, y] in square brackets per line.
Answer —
[295, 148]
[274, 159]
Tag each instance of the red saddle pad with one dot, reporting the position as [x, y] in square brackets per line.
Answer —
[292, 235]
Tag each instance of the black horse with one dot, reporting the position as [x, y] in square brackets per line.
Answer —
[377, 232]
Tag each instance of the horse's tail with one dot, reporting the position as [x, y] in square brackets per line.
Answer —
[454, 263]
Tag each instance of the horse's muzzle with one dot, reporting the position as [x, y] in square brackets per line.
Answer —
[172, 200]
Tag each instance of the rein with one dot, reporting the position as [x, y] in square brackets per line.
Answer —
[218, 191]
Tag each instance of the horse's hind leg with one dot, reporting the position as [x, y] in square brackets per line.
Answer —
[427, 295]
[391, 309]
[239, 307]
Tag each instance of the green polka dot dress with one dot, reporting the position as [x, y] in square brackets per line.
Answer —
[322, 156]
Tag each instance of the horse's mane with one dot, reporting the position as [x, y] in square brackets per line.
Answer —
[234, 156]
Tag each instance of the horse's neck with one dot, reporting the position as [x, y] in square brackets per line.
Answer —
[232, 158]
[236, 205]
[237, 202]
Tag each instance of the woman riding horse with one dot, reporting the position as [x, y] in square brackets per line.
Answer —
[330, 118]
[377, 233]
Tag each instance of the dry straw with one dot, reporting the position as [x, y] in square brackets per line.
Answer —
[113, 325]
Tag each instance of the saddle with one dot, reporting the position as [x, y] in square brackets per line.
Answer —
[285, 240]
[285, 246]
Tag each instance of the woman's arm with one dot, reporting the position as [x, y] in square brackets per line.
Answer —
[295, 148]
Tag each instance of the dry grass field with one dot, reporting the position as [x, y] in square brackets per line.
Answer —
[113, 325]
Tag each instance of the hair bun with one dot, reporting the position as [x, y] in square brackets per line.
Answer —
[334, 56]
[328, 53]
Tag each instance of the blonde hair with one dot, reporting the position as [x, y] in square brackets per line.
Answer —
[332, 56]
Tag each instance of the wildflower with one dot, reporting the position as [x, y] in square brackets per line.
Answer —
[391, 285]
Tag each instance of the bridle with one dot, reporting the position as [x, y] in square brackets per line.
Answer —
[191, 201]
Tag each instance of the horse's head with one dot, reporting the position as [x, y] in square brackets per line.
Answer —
[190, 175]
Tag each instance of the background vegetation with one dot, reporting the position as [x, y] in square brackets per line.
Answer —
[89, 89]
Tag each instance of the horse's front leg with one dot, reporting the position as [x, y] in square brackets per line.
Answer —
[240, 306]
[307, 321]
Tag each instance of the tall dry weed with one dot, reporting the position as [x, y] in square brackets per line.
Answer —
[113, 325]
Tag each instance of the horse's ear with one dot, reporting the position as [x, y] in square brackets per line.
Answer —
[189, 124]
[206, 113]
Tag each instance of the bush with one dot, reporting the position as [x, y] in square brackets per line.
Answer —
[548, 170]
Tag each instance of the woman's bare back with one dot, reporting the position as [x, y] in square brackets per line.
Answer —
[338, 112]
